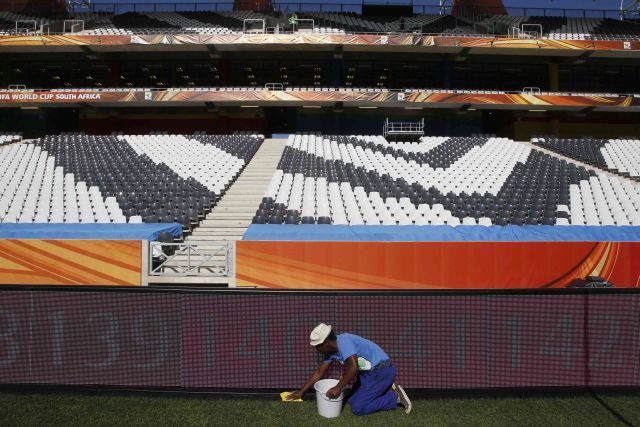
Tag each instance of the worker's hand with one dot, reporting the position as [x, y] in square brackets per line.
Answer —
[295, 395]
[334, 392]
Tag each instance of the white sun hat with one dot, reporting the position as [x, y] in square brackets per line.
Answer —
[319, 334]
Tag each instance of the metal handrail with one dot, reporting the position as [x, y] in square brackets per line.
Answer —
[274, 86]
[531, 89]
[73, 23]
[415, 128]
[244, 25]
[27, 30]
[523, 31]
[297, 28]
[188, 259]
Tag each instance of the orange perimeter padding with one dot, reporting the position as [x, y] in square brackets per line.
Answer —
[70, 262]
[433, 265]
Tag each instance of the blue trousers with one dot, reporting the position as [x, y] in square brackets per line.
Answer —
[372, 391]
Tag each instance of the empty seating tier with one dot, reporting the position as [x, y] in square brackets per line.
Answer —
[621, 156]
[612, 29]
[132, 20]
[200, 22]
[10, 21]
[9, 138]
[350, 22]
[190, 25]
[134, 178]
[215, 19]
[549, 24]
[552, 27]
[446, 25]
[6, 27]
[455, 181]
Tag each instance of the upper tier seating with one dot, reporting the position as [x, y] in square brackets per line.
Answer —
[359, 180]
[560, 28]
[613, 29]
[447, 25]
[139, 178]
[8, 22]
[217, 19]
[418, 22]
[6, 26]
[345, 21]
[549, 24]
[552, 27]
[9, 138]
[134, 23]
[140, 22]
[575, 29]
[183, 22]
[232, 22]
[427, 23]
[502, 24]
[188, 24]
[621, 156]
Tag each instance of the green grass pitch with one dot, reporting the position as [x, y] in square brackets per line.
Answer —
[108, 409]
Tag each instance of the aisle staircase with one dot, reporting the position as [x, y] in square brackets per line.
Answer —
[227, 223]
[233, 214]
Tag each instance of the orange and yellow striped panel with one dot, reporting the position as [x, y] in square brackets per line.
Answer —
[490, 43]
[70, 262]
[433, 265]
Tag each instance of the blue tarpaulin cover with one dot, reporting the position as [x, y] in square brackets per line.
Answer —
[88, 231]
[441, 233]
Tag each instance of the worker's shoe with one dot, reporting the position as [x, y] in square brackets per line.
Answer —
[403, 399]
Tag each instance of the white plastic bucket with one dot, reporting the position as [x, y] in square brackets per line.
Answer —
[328, 408]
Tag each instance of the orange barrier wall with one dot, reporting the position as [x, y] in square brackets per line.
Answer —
[419, 97]
[428, 265]
[70, 262]
[391, 41]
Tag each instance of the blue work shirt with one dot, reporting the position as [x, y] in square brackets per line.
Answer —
[369, 353]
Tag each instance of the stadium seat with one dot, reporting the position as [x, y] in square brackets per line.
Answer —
[620, 156]
[232, 22]
[614, 29]
[479, 180]
[137, 178]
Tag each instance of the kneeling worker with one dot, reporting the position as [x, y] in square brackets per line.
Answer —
[375, 389]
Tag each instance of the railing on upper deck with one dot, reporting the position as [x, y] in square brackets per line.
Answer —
[352, 6]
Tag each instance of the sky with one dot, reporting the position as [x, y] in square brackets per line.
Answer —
[569, 4]
[512, 5]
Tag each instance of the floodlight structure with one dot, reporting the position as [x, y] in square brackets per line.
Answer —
[629, 7]
[444, 6]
